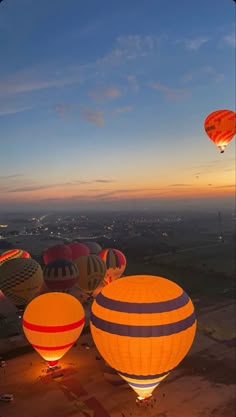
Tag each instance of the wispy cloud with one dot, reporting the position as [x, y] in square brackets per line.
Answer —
[130, 47]
[95, 117]
[203, 71]
[38, 187]
[5, 109]
[50, 76]
[104, 181]
[230, 39]
[124, 109]
[195, 43]
[180, 185]
[11, 176]
[133, 83]
[102, 94]
[225, 186]
[174, 94]
[63, 109]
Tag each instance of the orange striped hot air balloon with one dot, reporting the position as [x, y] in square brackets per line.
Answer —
[52, 323]
[115, 262]
[220, 126]
[92, 270]
[143, 326]
[13, 253]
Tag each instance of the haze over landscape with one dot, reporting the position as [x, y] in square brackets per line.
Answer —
[102, 105]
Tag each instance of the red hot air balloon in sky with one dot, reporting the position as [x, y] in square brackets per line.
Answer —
[220, 126]
[78, 249]
[57, 252]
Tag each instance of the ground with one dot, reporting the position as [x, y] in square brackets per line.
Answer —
[203, 385]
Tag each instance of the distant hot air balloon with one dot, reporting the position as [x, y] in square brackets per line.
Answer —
[57, 252]
[115, 262]
[13, 253]
[20, 278]
[60, 274]
[94, 247]
[92, 270]
[220, 126]
[143, 326]
[52, 323]
[78, 249]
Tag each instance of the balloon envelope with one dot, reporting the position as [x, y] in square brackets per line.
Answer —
[78, 249]
[220, 126]
[52, 323]
[92, 270]
[57, 252]
[13, 253]
[20, 278]
[60, 274]
[94, 247]
[143, 326]
[115, 262]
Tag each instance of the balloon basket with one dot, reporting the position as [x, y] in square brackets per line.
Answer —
[144, 402]
[52, 368]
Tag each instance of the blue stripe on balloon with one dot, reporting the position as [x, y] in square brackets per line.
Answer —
[143, 331]
[131, 307]
[143, 377]
[133, 384]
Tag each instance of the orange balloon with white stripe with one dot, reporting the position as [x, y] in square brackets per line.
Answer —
[220, 126]
[52, 323]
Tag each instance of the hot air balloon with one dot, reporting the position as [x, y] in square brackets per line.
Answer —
[57, 252]
[220, 126]
[60, 274]
[115, 262]
[143, 326]
[92, 270]
[20, 278]
[13, 253]
[94, 247]
[52, 323]
[78, 249]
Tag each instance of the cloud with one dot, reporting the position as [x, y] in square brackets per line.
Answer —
[102, 94]
[50, 76]
[95, 117]
[225, 186]
[230, 40]
[5, 109]
[37, 187]
[104, 181]
[206, 70]
[129, 48]
[132, 80]
[11, 176]
[193, 44]
[180, 185]
[170, 93]
[63, 109]
[124, 109]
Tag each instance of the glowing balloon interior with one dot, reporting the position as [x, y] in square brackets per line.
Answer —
[13, 253]
[52, 323]
[143, 326]
[115, 262]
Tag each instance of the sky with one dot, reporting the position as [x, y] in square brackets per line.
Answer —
[102, 104]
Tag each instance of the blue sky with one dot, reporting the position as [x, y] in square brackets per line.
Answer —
[109, 98]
